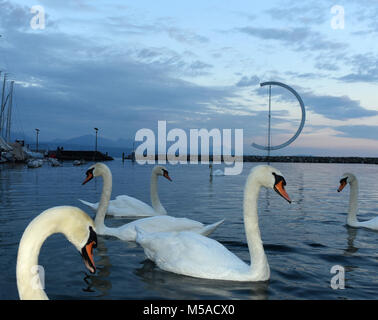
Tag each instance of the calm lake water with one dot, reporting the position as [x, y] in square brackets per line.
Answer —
[302, 240]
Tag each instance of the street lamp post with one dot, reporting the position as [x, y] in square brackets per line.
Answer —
[37, 131]
[96, 144]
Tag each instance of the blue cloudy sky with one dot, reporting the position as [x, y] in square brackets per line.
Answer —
[123, 65]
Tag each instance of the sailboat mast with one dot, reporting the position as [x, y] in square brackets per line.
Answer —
[2, 106]
[9, 116]
[1, 114]
[133, 153]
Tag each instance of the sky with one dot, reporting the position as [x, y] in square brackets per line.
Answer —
[121, 66]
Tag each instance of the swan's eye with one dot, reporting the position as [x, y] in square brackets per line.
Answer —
[343, 180]
[89, 171]
[278, 179]
[92, 237]
[166, 175]
[90, 175]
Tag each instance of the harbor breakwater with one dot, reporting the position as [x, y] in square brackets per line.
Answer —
[256, 158]
[311, 159]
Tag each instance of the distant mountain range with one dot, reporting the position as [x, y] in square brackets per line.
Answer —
[86, 142]
[114, 148]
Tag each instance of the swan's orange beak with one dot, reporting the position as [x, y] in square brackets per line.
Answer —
[343, 183]
[165, 175]
[88, 178]
[87, 253]
[280, 189]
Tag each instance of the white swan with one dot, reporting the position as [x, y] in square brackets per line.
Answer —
[151, 224]
[74, 223]
[193, 255]
[125, 206]
[35, 163]
[217, 172]
[54, 162]
[353, 203]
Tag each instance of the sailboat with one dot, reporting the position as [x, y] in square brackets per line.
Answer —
[11, 151]
[6, 149]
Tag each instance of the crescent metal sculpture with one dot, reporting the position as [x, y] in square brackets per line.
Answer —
[285, 144]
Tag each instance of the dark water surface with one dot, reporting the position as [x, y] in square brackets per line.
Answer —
[302, 240]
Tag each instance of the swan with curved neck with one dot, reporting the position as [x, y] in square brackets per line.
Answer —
[353, 203]
[78, 228]
[217, 172]
[126, 206]
[151, 224]
[193, 255]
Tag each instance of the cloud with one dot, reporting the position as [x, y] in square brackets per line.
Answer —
[364, 66]
[371, 76]
[115, 95]
[68, 84]
[246, 82]
[367, 13]
[359, 131]
[185, 63]
[81, 5]
[336, 107]
[122, 69]
[326, 66]
[299, 38]
[120, 25]
[287, 35]
[331, 107]
[14, 17]
[309, 13]
[185, 36]
[306, 75]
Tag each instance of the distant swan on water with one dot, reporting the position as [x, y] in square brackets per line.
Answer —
[35, 163]
[193, 255]
[127, 232]
[217, 172]
[353, 203]
[126, 206]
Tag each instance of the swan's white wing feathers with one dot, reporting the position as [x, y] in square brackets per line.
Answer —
[124, 200]
[159, 224]
[371, 224]
[168, 223]
[125, 206]
[191, 254]
[128, 206]
[93, 206]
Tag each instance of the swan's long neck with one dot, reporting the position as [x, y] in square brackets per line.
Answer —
[104, 201]
[259, 262]
[353, 204]
[155, 201]
[29, 283]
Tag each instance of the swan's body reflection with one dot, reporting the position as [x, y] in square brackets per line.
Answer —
[349, 252]
[173, 286]
[351, 249]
